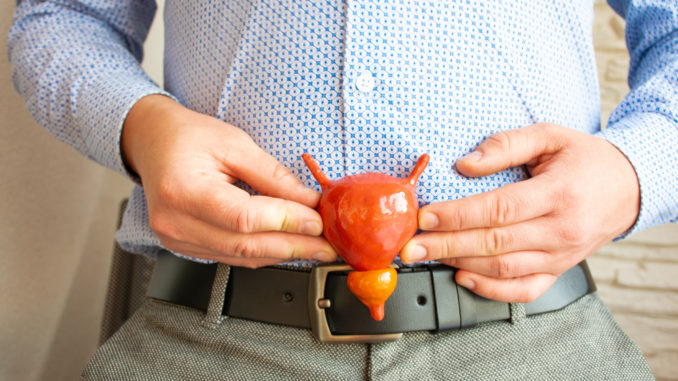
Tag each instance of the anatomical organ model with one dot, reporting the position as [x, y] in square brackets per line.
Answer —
[368, 218]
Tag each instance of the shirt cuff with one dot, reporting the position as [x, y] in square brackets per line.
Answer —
[649, 142]
[116, 95]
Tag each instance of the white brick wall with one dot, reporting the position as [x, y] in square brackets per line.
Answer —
[637, 277]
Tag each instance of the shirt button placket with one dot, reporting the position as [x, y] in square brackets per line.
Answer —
[365, 82]
[359, 87]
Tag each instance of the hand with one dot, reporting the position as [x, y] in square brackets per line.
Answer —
[188, 163]
[511, 244]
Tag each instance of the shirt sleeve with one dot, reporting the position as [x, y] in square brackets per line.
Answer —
[76, 63]
[645, 125]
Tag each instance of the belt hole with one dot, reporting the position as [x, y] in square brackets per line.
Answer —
[287, 297]
[421, 300]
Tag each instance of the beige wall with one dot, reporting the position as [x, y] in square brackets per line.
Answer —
[57, 214]
[57, 220]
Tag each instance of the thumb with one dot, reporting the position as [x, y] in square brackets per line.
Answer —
[270, 177]
[512, 148]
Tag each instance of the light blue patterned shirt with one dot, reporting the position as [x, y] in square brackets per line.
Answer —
[363, 85]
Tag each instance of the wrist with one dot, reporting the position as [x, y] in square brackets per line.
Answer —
[629, 189]
[143, 125]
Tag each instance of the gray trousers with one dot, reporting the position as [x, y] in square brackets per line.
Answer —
[162, 341]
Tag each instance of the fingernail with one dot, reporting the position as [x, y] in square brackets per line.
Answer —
[428, 221]
[324, 256]
[312, 228]
[466, 283]
[473, 156]
[413, 253]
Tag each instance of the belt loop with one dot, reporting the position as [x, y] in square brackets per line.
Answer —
[214, 315]
[446, 299]
[517, 312]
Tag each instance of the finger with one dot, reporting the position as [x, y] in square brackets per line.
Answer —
[502, 206]
[194, 251]
[231, 208]
[527, 236]
[272, 245]
[284, 246]
[511, 149]
[523, 289]
[262, 171]
[509, 265]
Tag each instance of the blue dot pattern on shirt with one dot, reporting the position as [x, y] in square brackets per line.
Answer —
[361, 85]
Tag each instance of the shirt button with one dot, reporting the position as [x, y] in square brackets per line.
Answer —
[365, 82]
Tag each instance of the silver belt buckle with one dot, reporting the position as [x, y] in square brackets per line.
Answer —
[317, 303]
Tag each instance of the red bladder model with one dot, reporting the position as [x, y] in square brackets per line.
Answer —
[368, 218]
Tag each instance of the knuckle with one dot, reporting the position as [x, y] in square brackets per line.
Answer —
[234, 153]
[496, 240]
[571, 234]
[240, 136]
[280, 173]
[446, 248]
[454, 218]
[504, 211]
[502, 268]
[245, 221]
[162, 225]
[286, 224]
[542, 126]
[245, 248]
[167, 193]
[287, 220]
[549, 129]
[501, 140]
[564, 197]
[294, 252]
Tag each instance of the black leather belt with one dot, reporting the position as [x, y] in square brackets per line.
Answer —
[425, 299]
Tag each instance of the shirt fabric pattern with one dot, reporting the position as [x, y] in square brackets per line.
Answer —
[362, 85]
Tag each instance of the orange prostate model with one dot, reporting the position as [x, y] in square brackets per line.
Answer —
[368, 218]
